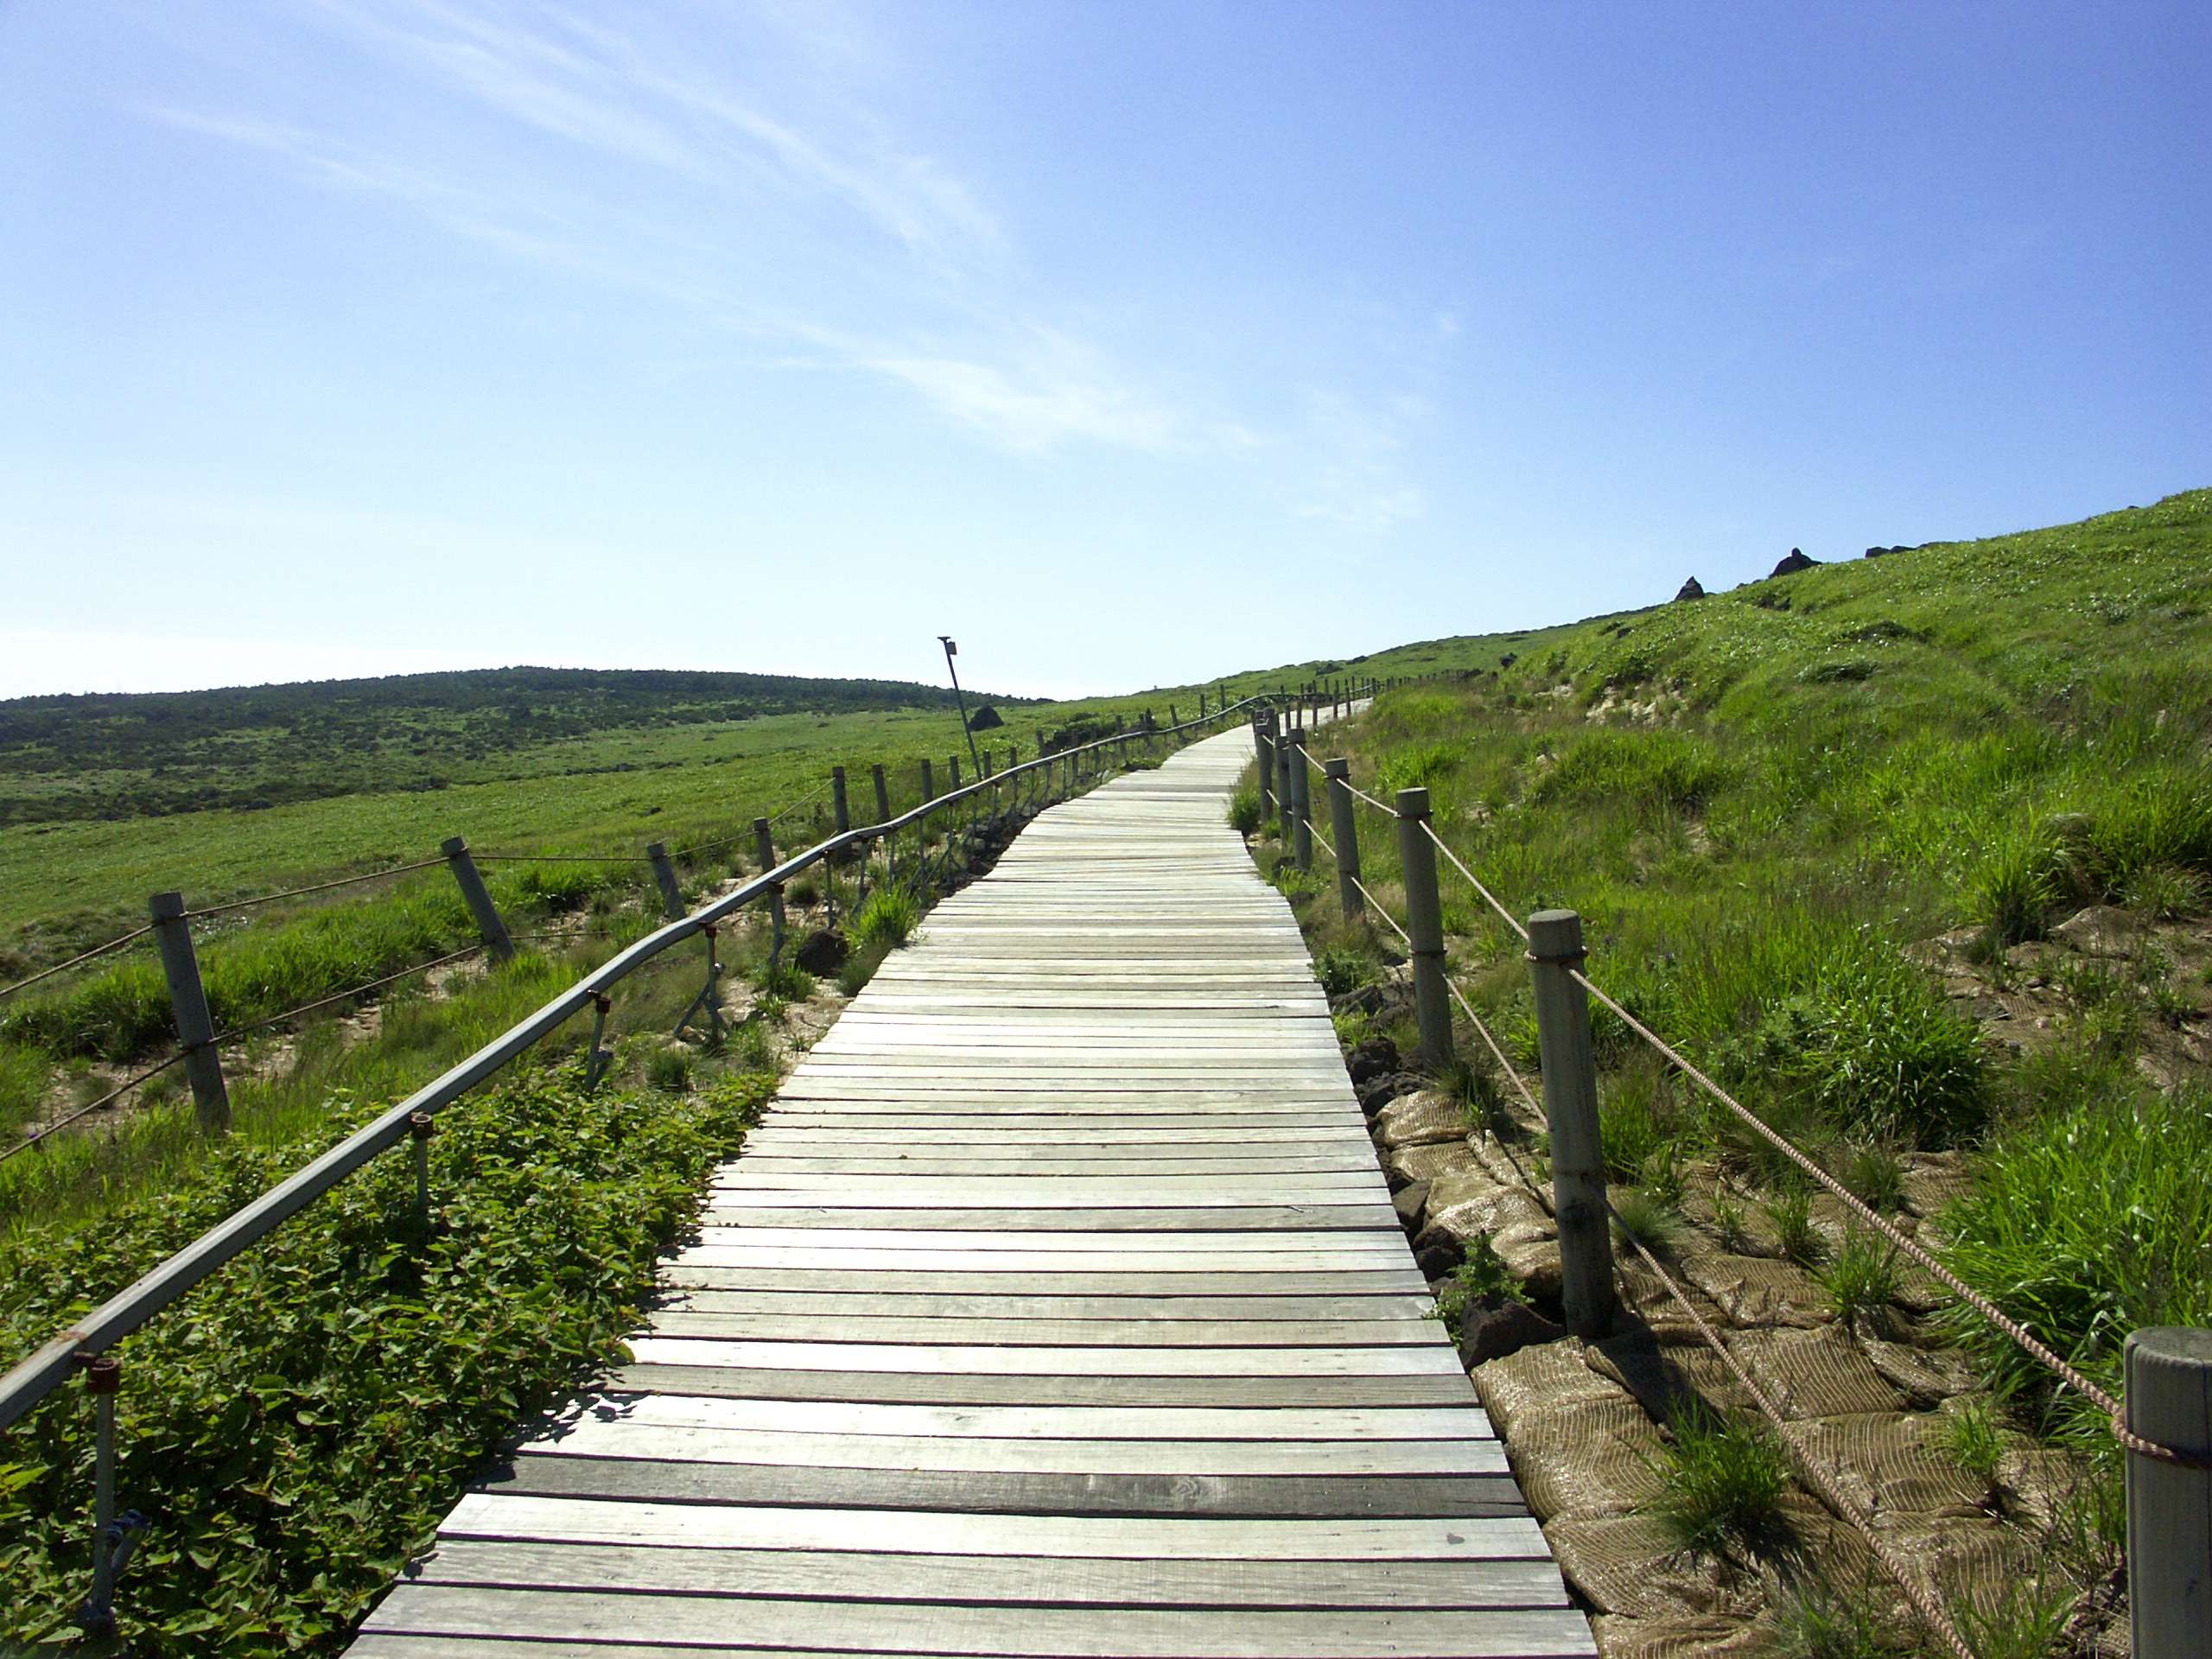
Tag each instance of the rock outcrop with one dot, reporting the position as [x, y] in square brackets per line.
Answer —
[1691, 589]
[1796, 561]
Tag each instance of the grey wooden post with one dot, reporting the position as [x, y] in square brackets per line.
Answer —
[1301, 805]
[1264, 745]
[489, 927]
[671, 896]
[882, 794]
[1570, 1109]
[953, 760]
[195, 1032]
[1344, 829]
[1425, 929]
[840, 810]
[929, 783]
[1282, 783]
[2169, 1371]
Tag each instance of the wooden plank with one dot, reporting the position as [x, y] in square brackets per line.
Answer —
[1376, 1279]
[1030, 1332]
[1093, 1362]
[1464, 1422]
[486, 1516]
[901, 1388]
[1040, 1632]
[1008, 1580]
[1044, 1311]
[1188, 1247]
[619, 1435]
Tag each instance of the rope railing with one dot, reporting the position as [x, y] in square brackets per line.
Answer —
[77, 961]
[259, 900]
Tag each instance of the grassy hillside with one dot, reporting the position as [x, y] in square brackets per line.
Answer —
[1915, 854]
[64, 758]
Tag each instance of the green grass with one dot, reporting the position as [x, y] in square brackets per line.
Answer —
[1722, 1481]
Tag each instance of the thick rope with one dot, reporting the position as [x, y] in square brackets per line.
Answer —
[1488, 898]
[320, 887]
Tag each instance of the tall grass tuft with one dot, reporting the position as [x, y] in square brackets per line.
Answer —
[888, 918]
[1722, 1481]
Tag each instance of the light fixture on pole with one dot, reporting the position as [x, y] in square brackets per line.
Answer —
[951, 652]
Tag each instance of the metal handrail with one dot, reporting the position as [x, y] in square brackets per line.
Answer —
[38, 1375]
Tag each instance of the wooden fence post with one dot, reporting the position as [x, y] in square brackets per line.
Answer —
[2168, 1372]
[1425, 929]
[1264, 748]
[764, 845]
[1301, 805]
[1344, 829]
[929, 783]
[671, 896]
[841, 810]
[489, 927]
[1283, 799]
[882, 794]
[953, 760]
[1585, 1249]
[195, 1032]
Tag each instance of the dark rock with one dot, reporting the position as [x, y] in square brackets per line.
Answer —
[1691, 589]
[1370, 1059]
[1407, 1201]
[1500, 1327]
[822, 951]
[1882, 552]
[985, 719]
[1794, 563]
[1437, 1260]
[1378, 1092]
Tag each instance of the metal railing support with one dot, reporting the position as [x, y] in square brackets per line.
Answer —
[420, 1127]
[2169, 1371]
[195, 1032]
[1570, 1079]
[1344, 831]
[1301, 805]
[489, 927]
[597, 1056]
[114, 1537]
[671, 896]
[1425, 929]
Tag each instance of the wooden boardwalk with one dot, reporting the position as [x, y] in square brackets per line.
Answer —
[1056, 1308]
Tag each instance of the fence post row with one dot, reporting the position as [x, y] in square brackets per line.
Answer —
[1301, 805]
[671, 896]
[1425, 929]
[1570, 1079]
[195, 1032]
[1344, 829]
[489, 927]
[2169, 1375]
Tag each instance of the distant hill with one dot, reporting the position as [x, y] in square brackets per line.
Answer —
[128, 755]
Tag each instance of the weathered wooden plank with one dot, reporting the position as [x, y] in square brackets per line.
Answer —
[1186, 1247]
[995, 1580]
[1112, 1286]
[1043, 1632]
[1093, 1362]
[713, 1526]
[1464, 1422]
[1047, 1313]
[901, 1388]
[1030, 1332]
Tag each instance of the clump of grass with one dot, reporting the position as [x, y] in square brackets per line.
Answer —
[783, 979]
[669, 1068]
[804, 891]
[1244, 810]
[1789, 1212]
[1729, 1225]
[889, 917]
[860, 967]
[2013, 889]
[1648, 1217]
[1722, 1481]
[753, 1049]
[1816, 1621]
[1873, 1173]
[2022, 1620]
[1971, 1436]
[2166, 892]
[1862, 1280]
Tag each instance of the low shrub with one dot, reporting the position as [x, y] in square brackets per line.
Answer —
[1244, 810]
[888, 917]
[299, 1424]
[1341, 969]
[1862, 1280]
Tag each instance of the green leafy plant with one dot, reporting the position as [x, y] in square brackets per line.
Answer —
[1481, 1277]
[1862, 1279]
[1642, 1215]
[888, 917]
[1972, 1436]
[1789, 1212]
[1244, 810]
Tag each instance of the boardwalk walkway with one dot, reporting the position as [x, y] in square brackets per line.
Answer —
[1057, 1308]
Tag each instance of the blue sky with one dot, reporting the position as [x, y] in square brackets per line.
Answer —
[1131, 343]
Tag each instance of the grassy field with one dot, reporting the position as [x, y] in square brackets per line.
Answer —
[1820, 830]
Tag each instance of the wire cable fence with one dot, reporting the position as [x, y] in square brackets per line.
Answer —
[77, 961]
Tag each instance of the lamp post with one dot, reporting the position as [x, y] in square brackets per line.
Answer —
[951, 652]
